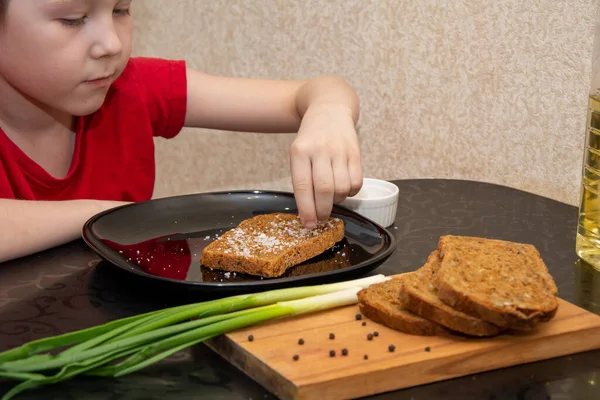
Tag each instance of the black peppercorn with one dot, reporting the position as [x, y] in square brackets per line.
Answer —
[331, 336]
[358, 317]
[250, 338]
[364, 323]
[376, 333]
[366, 357]
[344, 352]
[296, 357]
[331, 353]
[427, 348]
[300, 341]
[370, 336]
[391, 348]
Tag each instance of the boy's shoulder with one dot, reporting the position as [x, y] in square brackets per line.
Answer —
[143, 73]
[154, 89]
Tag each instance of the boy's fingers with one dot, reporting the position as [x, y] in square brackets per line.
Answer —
[341, 178]
[303, 190]
[322, 173]
[356, 175]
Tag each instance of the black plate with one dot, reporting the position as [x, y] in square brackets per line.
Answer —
[163, 239]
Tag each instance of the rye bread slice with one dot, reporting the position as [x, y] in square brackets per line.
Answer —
[268, 244]
[419, 295]
[380, 302]
[504, 283]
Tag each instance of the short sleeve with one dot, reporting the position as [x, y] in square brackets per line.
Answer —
[163, 88]
[5, 187]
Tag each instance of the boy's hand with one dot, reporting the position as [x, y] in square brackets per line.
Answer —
[325, 161]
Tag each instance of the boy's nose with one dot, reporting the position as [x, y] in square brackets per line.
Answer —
[107, 43]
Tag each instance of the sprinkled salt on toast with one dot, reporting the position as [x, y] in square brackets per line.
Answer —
[269, 244]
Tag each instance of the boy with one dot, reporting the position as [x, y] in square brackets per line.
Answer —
[78, 117]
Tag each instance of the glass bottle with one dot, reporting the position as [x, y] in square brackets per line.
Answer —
[588, 221]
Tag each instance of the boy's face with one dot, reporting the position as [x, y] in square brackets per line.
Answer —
[56, 52]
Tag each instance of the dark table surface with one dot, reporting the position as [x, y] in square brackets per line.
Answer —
[69, 288]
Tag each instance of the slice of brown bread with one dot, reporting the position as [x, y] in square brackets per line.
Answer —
[419, 295]
[501, 282]
[267, 245]
[380, 302]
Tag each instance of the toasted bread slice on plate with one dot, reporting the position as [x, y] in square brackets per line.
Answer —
[380, 302]
[504, 283]
[267, 245]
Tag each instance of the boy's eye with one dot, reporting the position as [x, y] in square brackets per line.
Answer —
[80, 21]
[73, 21]
[122, 11]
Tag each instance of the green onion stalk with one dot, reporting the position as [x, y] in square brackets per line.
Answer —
[127, 345]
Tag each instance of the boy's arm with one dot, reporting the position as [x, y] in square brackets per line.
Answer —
[27, 227]
[325, 156]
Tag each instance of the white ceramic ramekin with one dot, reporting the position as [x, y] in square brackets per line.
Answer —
[377, 201]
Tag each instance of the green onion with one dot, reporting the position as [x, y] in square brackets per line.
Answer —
[95, 335]
[150, 337]
[241, 320]
[113, 370]
[66, 373]
[20, 376]
[54, 342]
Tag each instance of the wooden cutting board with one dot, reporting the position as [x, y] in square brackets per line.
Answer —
[268, 358]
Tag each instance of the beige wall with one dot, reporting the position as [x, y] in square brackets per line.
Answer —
[473, 89]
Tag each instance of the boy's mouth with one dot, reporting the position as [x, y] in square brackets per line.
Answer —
[99, 82]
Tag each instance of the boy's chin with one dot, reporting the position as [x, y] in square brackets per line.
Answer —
[86, 108]
[83, 113]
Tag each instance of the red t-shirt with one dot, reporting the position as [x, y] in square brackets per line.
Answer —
[114, 147]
